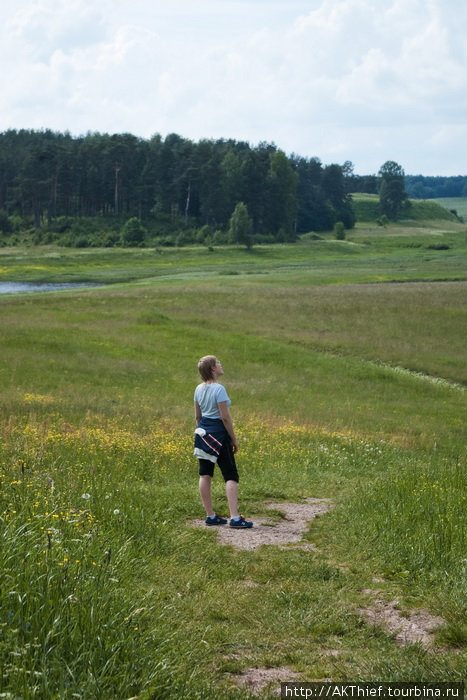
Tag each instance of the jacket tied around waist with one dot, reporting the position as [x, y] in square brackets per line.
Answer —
[210, 435]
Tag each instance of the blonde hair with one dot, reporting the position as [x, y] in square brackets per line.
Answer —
[206, 365]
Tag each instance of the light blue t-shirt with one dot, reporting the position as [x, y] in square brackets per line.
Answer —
[208, 396]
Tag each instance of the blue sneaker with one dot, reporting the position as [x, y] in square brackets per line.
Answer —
[240, 523]
[215, 520]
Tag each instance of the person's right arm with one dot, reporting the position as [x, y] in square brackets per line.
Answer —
[228, 422]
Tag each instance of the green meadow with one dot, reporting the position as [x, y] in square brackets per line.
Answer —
[346, 363]
[458, 204]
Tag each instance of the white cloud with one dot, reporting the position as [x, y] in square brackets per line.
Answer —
[44, 26]
[338, 79]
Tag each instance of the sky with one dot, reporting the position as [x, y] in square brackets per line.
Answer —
[364, 81]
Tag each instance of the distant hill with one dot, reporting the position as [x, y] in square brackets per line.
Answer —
[458, 204]
[366, 207]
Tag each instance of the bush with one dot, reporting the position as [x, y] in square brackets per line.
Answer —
[62, 224]
[311, 236]
[17, 222]
[339, 231]
[166, 241]
[438, 246]
[133, 232]
[382, 220]
[187, 237]
[458, 217]
[219, 238]
[203, 233]
[108, 239]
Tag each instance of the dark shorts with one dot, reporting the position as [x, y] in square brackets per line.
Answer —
[226, 462]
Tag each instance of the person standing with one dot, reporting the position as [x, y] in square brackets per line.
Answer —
[216, 442]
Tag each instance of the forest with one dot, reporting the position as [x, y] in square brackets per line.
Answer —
[113, 189]
[64, 187]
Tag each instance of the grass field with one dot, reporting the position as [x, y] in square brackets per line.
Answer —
[459, 204]
[346, 365]
[367, 208]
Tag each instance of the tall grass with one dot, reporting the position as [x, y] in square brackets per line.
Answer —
[117, 597]
[414, 517]
[76, 517]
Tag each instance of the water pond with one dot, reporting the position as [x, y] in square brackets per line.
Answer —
[22, 287]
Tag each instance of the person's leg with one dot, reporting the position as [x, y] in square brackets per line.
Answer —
[205, 493]
[228, 467]
[231, 491]
[206, 471]
[229, 471]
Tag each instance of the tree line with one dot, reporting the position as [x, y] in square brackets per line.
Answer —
[416, 186]
[108, 189]
[432, 187]
[54, 182]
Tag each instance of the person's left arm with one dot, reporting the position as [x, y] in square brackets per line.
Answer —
[228, 423]
[197, 412]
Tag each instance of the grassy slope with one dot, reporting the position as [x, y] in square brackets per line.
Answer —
[459, 204]
[94, 374]
[367, 209]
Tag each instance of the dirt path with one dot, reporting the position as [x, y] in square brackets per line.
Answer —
[288, 531]
[406, 627]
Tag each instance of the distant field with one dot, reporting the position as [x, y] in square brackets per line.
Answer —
[406, 250]
[457, 203]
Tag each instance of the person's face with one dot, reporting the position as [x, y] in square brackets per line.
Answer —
[218, 370]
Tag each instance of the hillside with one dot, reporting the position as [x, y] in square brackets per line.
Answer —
[366, 207]
[459, 204]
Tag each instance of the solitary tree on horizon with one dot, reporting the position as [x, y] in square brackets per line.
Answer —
[392, 194]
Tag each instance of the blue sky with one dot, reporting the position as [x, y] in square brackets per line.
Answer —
[359, 80]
